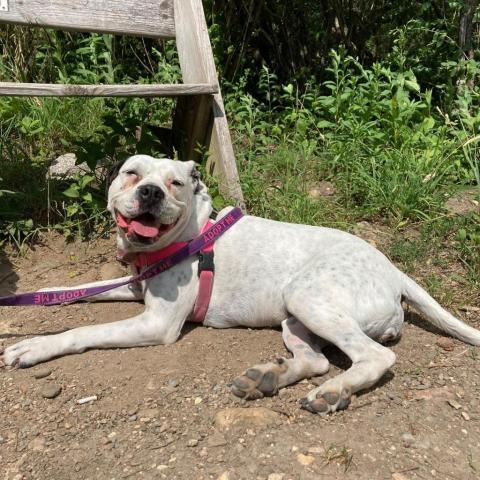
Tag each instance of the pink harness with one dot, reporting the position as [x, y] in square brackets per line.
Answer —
[205, 270]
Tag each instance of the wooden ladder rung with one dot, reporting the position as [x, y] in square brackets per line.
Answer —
[150, 90]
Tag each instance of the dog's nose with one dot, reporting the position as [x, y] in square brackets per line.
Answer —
[150, 194]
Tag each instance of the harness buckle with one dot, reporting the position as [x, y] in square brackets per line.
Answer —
[205, 262]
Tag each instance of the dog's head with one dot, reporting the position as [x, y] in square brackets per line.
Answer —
[152, 199]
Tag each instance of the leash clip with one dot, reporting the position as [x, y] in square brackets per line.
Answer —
[205, 262]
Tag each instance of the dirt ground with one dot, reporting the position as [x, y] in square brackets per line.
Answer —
[166, 411]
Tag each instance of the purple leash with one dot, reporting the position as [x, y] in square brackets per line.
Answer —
[57, 297]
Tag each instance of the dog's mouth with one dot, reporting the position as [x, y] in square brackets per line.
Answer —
[144, 228]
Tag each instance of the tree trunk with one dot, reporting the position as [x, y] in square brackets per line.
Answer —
[465, 41]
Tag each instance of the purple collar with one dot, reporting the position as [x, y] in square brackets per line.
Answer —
[57, 297]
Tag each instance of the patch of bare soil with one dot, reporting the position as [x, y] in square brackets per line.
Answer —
[166, 412]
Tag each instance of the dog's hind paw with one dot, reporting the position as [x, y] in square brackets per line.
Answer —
[259, 381]
[324, 402]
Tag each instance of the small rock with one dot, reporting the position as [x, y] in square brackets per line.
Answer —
[51, 390]
[433, 393]
[454, 404]
[322, 189]
[216, 440]
[446, 343]
[133, 418]
[276, 476]
[197, 400]
[399, 476]
[245, 417]
[2, 440]
[408, 440]
[224, 476]
[152, 385]
[192, 442]
[64, 167]
[466, 416]
[173, 382]
[316, 450]
[38, 444]
[305, 459]
[42, 373]
[162, 467]
[148, 414]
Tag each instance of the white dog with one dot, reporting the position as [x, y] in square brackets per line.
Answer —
[317, 283]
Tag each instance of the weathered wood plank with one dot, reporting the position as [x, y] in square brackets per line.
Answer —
[149, 18]
[198, 65]
[152, 90]
[222, 156]
[193, 117]
[193, 43]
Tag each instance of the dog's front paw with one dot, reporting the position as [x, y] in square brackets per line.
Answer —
[259, 381]
[325, 400]
[29, 352]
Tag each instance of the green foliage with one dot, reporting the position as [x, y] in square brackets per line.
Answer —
[375, 130]
[379, 98]
[84, 210]
[18, 232]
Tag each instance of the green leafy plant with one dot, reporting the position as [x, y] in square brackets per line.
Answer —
[85, 209]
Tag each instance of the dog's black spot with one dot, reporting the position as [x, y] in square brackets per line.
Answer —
[113, 172]
[195, 174]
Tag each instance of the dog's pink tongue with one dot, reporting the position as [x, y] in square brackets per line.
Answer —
[144, 228]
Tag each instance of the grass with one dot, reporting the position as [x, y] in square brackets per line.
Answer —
[276, 185]
[341, 455]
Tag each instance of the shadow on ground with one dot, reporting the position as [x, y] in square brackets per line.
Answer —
[8, 276]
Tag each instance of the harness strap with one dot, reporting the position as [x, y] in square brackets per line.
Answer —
[205, 271]
[206, 275]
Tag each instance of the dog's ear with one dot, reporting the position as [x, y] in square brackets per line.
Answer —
[195, 176]
[113, 172]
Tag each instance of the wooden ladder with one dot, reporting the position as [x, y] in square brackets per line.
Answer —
[199, 118]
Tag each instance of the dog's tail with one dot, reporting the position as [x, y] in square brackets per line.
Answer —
[416, 296]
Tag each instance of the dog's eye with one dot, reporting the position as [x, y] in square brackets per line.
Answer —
[177, 183]
[130, 172]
